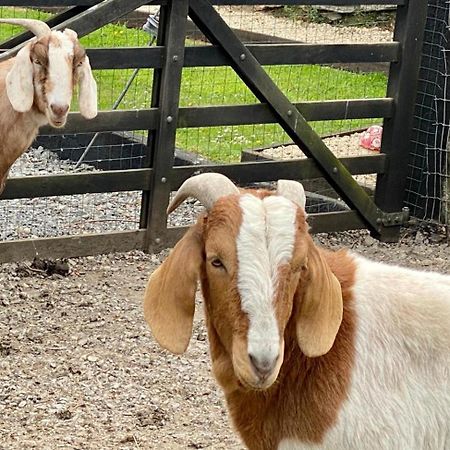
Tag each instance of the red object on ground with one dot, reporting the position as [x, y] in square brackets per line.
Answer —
[371, 138]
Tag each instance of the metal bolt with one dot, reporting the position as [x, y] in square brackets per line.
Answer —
[379, 220]
[335, 170]
[175, 58]
[289, 113]
[242, 57]
[163, 180]
[397, 219]
[169, 119]
[158, 240]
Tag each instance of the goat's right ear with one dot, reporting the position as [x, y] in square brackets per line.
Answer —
[19, 82]
[169, 298]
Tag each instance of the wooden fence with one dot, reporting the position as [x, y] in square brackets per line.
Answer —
[383, 214]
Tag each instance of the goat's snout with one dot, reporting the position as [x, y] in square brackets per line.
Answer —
[59, 110]
[262, 365]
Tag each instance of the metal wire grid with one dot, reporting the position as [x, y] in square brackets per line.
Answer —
[428, 185]
[201, 86]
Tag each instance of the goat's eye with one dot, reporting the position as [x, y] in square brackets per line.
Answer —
[216, 262]
[80, 64]
[37, 62]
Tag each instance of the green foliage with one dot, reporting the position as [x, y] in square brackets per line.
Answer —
[221, 86]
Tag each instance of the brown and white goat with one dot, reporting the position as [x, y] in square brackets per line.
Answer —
[36, 88]
[313, 349]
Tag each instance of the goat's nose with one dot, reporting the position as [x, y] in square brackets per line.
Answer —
[59, 110]
[263, 366]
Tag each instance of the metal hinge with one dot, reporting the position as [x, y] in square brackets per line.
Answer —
[394, 219]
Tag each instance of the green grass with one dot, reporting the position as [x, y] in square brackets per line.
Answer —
[221, 86]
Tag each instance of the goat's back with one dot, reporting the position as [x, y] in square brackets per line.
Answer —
[399, 397]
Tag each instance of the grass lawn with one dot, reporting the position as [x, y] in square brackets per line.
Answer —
[220, 86]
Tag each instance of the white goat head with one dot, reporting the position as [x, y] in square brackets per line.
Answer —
[260, 271]
[45, 71]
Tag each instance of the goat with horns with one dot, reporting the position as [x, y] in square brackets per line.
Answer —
[36, 88]
[313, 349]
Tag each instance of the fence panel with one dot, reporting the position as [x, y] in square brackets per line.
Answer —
[185, 94]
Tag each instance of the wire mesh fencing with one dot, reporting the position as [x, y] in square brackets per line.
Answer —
[201, 86]
[428, 190]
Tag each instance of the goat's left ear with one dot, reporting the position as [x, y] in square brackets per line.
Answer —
[87, 96]
[169, 299]
[321, 306]
[19, 82]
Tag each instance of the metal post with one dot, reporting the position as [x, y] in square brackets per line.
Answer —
[402, 87]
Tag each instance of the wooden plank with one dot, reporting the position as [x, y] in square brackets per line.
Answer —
[172, 25]
[71, 246]
[276, 54]
[251, 172]
[257, 114]
[319, 222]
[89, 20]
[266, 54]
[126, 57]
[308, 2]
[125, 120]
[50, 3]
[77, 183]
[208, 116]
[53, 21]
[256, 78]
[61, 3]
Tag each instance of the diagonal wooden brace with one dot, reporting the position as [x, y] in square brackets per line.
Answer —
[255, 77]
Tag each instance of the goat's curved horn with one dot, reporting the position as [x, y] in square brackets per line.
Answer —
[293, 191]
[37, 27]
[206, 187]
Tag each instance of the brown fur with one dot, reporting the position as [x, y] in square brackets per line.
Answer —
[304, 401]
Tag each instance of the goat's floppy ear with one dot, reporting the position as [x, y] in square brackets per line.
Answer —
[19, 82]
[87, 96]
[321, 307]
[169, 298]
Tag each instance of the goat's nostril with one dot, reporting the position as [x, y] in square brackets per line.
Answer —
[59, 110]
[263, 366]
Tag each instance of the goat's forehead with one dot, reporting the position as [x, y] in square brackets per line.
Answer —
[268, 227]
[61, 44]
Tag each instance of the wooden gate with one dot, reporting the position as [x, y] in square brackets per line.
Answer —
[383, 214]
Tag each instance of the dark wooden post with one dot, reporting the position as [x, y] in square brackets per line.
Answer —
[402, 87]
[166, 94]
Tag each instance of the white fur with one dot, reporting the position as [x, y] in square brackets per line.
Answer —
[399, 397]
[60, 70]
[265, 241]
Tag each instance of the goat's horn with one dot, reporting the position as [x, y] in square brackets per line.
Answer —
[37, 27]
[293, 191]
[206, 187]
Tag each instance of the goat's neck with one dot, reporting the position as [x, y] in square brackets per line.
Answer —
[308, 392]
[17, 132]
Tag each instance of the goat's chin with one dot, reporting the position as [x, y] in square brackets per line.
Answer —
[56, 122]
[247, 377]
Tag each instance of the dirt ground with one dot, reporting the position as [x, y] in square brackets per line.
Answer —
[79, 368]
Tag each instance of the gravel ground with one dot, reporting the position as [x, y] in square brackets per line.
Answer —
[341, 146]
[80, 370]
[260, 21]
[71, 215]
